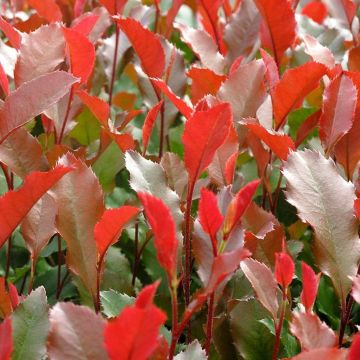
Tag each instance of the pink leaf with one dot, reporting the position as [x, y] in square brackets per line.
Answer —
[11, 33]
[40, 94]
[339, 103]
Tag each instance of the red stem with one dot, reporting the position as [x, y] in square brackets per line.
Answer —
[174, 335]
[113, 72]
[278, 328]
[58, 267]
[66, 118]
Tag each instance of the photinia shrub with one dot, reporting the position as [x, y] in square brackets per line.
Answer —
[179, 179]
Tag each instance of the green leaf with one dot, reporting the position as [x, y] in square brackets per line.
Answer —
[113, 302]
[87, 128]
[30, 327]
[251, 338]
[107, 165]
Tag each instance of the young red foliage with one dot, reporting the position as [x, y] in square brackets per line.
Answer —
[310, 283]
[307, 127]
[163, 227]
[293, 87]
[9, 298]
[230, 166]
[284, 269]
[149, 123]
[108, 230]
[181, 105]
[48, 9]
[357, 208]
[280, 20]
[11, 33]
[210, 217]
[209, 129]
[134, 333]
[4, 82]
[79, 7]
[204, 82]
[238, 206]
[338, 111]
[14, 205]
[280, 144]
[315, 10]
[86, 24]
[146, 45]
[114, 7]
[97, 106]
[6, 341]
[81, 54]
[354, 352]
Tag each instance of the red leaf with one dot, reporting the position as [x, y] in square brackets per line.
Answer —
[280, 144]
[40, 94]
[86, 24]
[81, 53]
[8, 299]
[284, 269]
[47, 9]
[230, 166]
[204, 82]
[134, 333]
[181, 105]
[146, 45]
[114, 7]
[149, 123]
[280, 20]
[6, 341]
[4, 82]
[354, 352]
[124, 141]
[210, 217]
[14, 205]
[204, 133]
[98, 107]
[338, 109]
[108, 230]
[163, 227]
[79, 7]
[11, 33]
[293, 87]
[315, 10]
[238, 206]
[310, 283]
[307, 127]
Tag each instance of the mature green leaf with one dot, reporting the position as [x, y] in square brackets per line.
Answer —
[30, 327]
[113, 302]
[193, 351]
